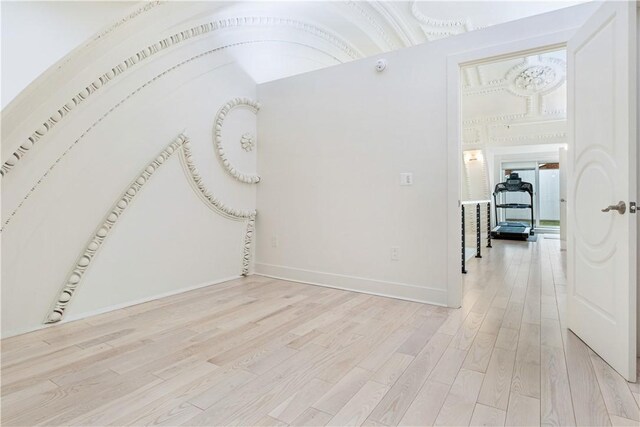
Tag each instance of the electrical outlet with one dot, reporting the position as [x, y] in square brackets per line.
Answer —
[274, 241]
[406, 178]
[395, 253]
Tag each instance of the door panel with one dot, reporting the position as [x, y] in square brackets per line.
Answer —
[602, 246]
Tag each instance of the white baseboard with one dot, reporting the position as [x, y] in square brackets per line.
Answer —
[92, 313]
[396, 290]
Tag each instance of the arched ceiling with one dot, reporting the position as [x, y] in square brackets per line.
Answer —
[269, 39]
[279, 38]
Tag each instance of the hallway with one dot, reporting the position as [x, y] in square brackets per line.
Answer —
[259, 351]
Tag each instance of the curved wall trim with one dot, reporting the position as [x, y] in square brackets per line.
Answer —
[122, 101]
[203, 193]
[153, 49]
[373, 22]
[97, 239]
[148, 5]
[254, 106]
[443, 27]
[90, 251]
[399, 25]
[433, 22]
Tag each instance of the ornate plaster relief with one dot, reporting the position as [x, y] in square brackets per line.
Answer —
[536, 77]
[247, 142]
[160, 46]
[217, 138]
[122, 101]
[90, 251]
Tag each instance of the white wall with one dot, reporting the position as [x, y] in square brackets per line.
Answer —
[334, 144]
[36, 34]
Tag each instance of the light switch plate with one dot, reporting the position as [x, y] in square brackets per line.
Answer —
[406, 178]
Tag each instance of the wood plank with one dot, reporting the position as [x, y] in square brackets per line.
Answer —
[487, 416]
[448, 366]
[480, 352]
[615, 391]
[312, 417]
[356, 411]
[392, 369]
[458, 407]
[588, 403]
[299, 402]
[556, 407]
[523, 411]
[425, 407]
[399, 398]
[497, 382]
[338, 396]
[507, 339]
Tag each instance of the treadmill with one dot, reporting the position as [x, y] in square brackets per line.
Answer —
[512, 230]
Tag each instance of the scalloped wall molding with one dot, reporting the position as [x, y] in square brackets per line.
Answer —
[201, 190]
[254, 106]
[153, 49]
[90, 251]
[216, 205]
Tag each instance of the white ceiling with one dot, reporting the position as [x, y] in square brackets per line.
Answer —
[278, 39]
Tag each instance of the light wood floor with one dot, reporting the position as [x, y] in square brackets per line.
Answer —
[261, 352]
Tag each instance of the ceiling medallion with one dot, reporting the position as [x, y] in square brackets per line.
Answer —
[536, 77]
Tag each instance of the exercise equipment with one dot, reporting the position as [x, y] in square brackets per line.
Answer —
[512, 230]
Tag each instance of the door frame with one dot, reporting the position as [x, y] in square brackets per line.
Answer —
[526, 47]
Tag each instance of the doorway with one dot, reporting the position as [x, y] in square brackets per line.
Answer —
[513, 121]
[601, 242]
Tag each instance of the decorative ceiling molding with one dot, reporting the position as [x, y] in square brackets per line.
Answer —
[538, 137]
[536, 76]
[315, 30]
[152, 50]
[101, 118]
[438, 28]
[254, 106]
[373, 22]
[493, 119]
[148, 5]
[395, 20]
[90, 251]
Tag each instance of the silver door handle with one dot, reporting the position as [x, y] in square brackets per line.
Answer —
[621, 207]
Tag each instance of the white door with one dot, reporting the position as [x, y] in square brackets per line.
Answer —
[563, 198]
[601, 246]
